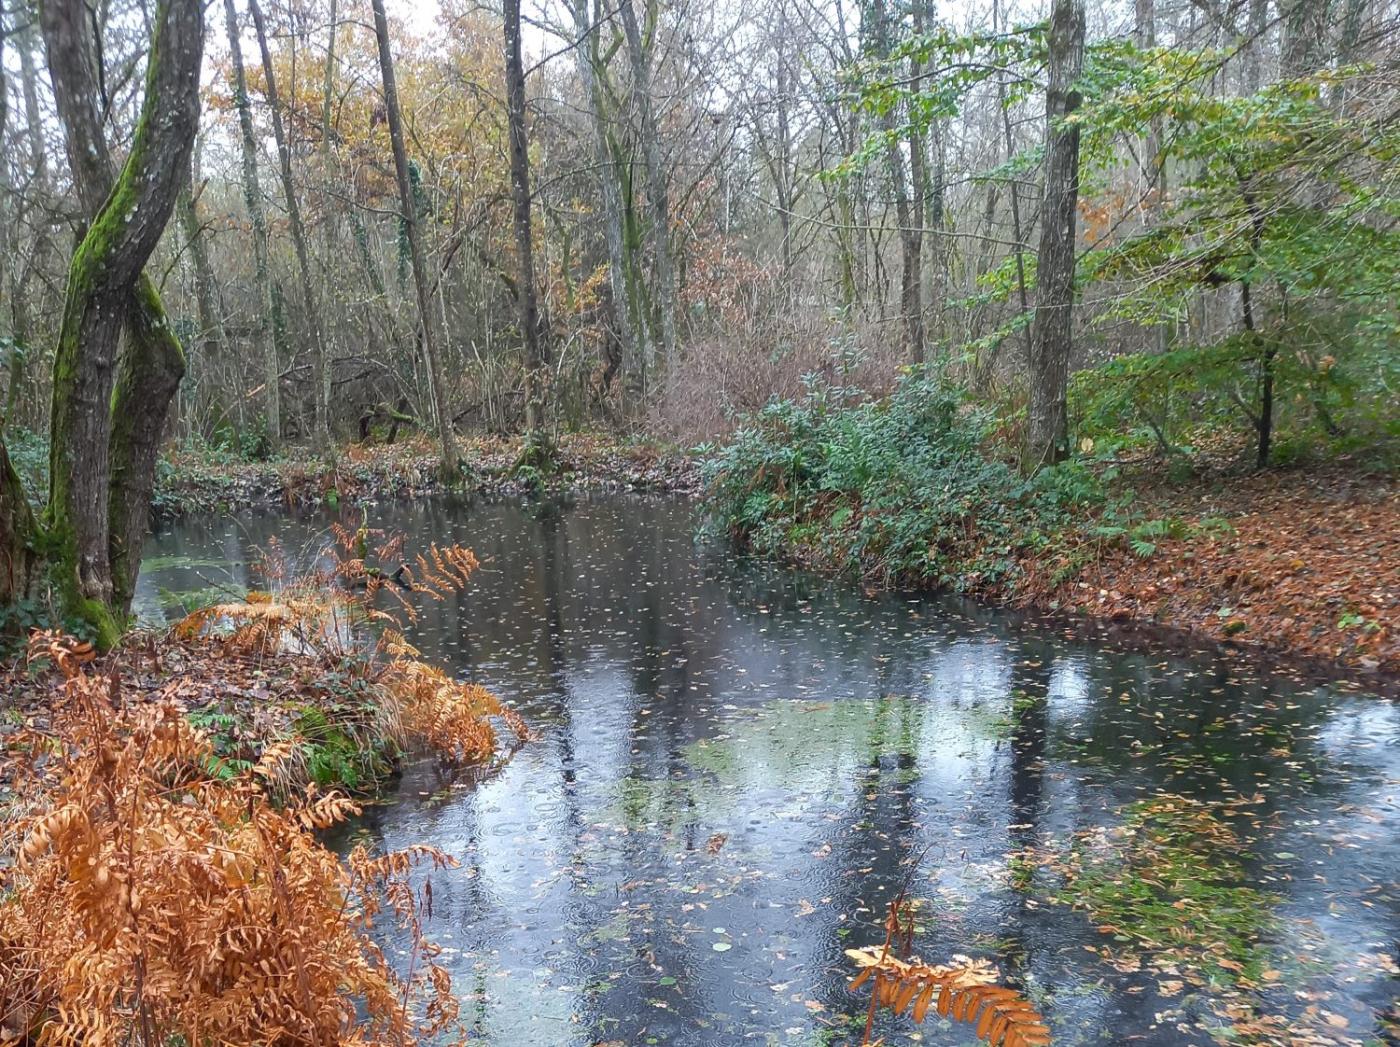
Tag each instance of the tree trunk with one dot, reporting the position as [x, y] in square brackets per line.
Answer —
[908, 216]
[15, 348]
[1305, 36]
[1051, 329]
[320, 372]
[1145, 37]
[1258, 27]
[102, 449]
[211, 328]
[591, 70]
[21, 273]
[657, 195]
[17, 531]
[936, 220]
[409, 218]
[536, 363]
[252, 195]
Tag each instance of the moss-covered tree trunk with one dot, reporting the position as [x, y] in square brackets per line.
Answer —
[101, 472]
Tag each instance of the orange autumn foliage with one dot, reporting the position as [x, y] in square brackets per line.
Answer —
[319, 612]
[965, 990]
[149, 903]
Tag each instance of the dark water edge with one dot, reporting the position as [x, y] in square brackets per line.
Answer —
[846, 746]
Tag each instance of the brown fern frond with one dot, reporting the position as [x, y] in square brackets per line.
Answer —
[235, 922]
[964, 990]
[68, 653]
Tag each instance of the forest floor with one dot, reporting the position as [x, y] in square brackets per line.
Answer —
[197, 481]
[245, 702]
[1309, 566]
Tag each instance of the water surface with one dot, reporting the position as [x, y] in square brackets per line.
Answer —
[738, 766]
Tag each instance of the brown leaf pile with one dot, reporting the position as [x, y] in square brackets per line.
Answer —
[1312, 568]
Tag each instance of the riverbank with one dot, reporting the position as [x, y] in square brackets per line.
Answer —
[1299, 568]
[1293, 563]
[199, 480]
[162, 808]
[920, 491]
[290, 670]
[342, 730]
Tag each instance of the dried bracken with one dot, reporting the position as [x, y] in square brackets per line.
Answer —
[964, 990]
[321, 612]
[149, 903]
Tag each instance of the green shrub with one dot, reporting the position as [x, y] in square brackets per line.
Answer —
[29, 453]
[905, 488]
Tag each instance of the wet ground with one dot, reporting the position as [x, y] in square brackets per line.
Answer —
[739, 765]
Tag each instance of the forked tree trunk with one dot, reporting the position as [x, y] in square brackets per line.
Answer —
[1051, 329]
[105, 426]
[319, 371]
[262, 266]
[536, 363]
[409, 217]
[149, 372]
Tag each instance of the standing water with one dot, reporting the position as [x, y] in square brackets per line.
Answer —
[739, 765]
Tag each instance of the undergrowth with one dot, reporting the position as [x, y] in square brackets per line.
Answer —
[151, 902]
[907, 488]
[161, 880]
[373, 692]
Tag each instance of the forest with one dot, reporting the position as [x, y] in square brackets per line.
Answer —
[342, 344]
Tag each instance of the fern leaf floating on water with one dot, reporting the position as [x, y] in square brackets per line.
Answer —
[964, 990]
[965, 993]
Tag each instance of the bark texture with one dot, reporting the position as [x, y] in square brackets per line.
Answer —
[591, 70]
[320, 373]
[657, 195]
[536, 361]
[101, 470]
[252, 195]
[1051, 329]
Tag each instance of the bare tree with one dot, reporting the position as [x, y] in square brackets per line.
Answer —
[592, 70]
[320, 372]
[536, 360]
[657, 196]
[262, 265]
[408, 214]
[907, 181]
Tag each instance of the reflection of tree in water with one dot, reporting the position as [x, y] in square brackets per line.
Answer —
[590, 613]
[881, 836]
